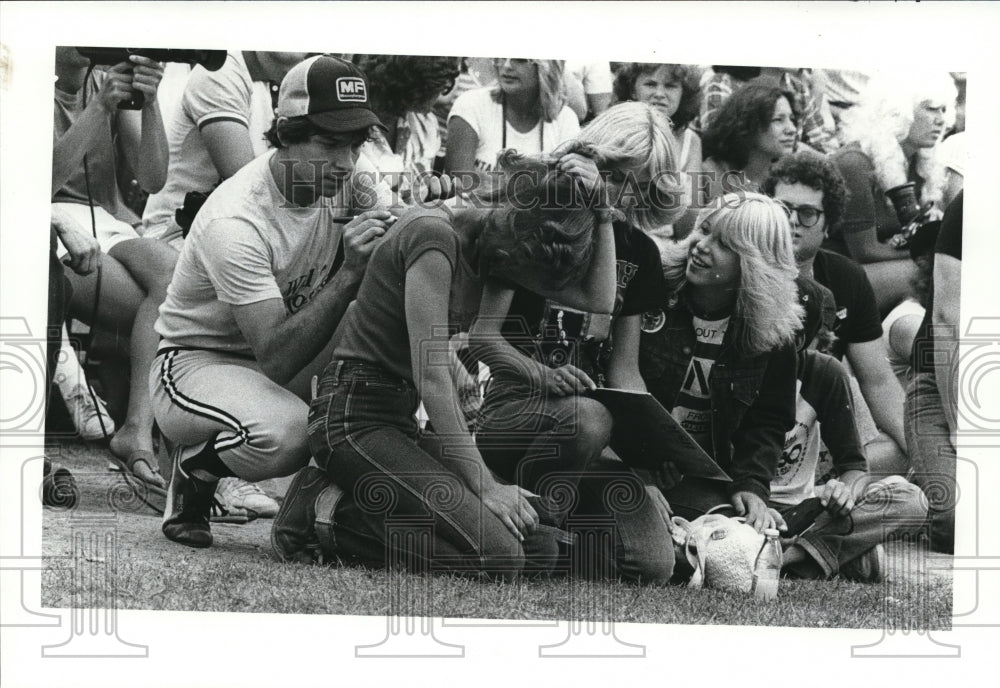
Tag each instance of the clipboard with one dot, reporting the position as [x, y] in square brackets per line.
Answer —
[645, 435]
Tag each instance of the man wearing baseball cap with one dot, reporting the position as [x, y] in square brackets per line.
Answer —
[264, 278]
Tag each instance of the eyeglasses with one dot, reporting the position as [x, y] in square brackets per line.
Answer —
[808, 216]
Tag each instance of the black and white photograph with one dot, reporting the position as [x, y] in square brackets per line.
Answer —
[497, 335]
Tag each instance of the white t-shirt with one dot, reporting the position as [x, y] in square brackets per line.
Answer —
[228, 94]
[900, 364]
[485, 116]
[249, 244]
[795, 477]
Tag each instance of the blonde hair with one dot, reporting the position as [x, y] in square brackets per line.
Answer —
[767, 313]
[634, 138]
[882, 120]
[551, 91]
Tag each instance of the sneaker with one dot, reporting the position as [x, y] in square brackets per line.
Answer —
[188, 508]
[90, 416]
[236, 493]
[293, 535]
[868, 568]
[59, 488]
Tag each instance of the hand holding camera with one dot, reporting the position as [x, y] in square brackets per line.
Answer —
[131, 84]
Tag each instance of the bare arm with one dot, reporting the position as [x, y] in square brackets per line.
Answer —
[944, 318]
[460, 154]
[576, 99]
[69, 149]
[865, 248]
[902, 333]
[228, 145]
[427, 290]
[623, 369]
[284, 344]
[143, 136]
[489, 345]
[880, 387]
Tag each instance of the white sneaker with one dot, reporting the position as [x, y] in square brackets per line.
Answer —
[238, 493]
[87, 415]
[86, 409]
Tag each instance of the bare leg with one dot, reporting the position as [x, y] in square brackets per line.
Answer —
[151, 265]
[134, 279]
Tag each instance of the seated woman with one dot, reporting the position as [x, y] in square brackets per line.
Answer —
[892, 139]
[673, 89]
[405, 89]
[424, 283]
[719, 352]
[535, 427]
[122, 296]
[525, 110]
[752, 129]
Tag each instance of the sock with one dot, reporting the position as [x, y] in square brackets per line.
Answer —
[206, 464]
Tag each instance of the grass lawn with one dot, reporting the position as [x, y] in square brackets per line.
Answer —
[238, 574]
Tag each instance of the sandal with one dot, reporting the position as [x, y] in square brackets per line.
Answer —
[142, 468]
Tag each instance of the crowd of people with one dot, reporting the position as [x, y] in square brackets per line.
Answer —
[398, 279]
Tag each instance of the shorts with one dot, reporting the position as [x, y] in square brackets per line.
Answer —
[110, 230]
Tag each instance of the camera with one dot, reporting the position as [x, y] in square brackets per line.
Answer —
[209, 59]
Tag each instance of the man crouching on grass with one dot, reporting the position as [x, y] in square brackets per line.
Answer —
[265, 276]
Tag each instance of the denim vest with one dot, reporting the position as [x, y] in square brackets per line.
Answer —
[753, 398]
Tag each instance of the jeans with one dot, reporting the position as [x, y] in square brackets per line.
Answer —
[889, 506]
[933, 457]
[556, 447]
[401, 505]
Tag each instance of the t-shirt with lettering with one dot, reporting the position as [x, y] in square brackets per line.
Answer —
[817, 416]
[485, 115]
[555, 335]
[374, 328]
[693, 406]
[249, 244]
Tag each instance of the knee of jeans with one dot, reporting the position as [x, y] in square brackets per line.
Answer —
[503, 557]
[900, 501]
[592, 426]
[654, 565]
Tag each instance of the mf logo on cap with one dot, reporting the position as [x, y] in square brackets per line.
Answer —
[351, 89]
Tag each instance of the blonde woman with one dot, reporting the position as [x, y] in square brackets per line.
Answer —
[719, 352]
[525, 110]
[892, 138]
